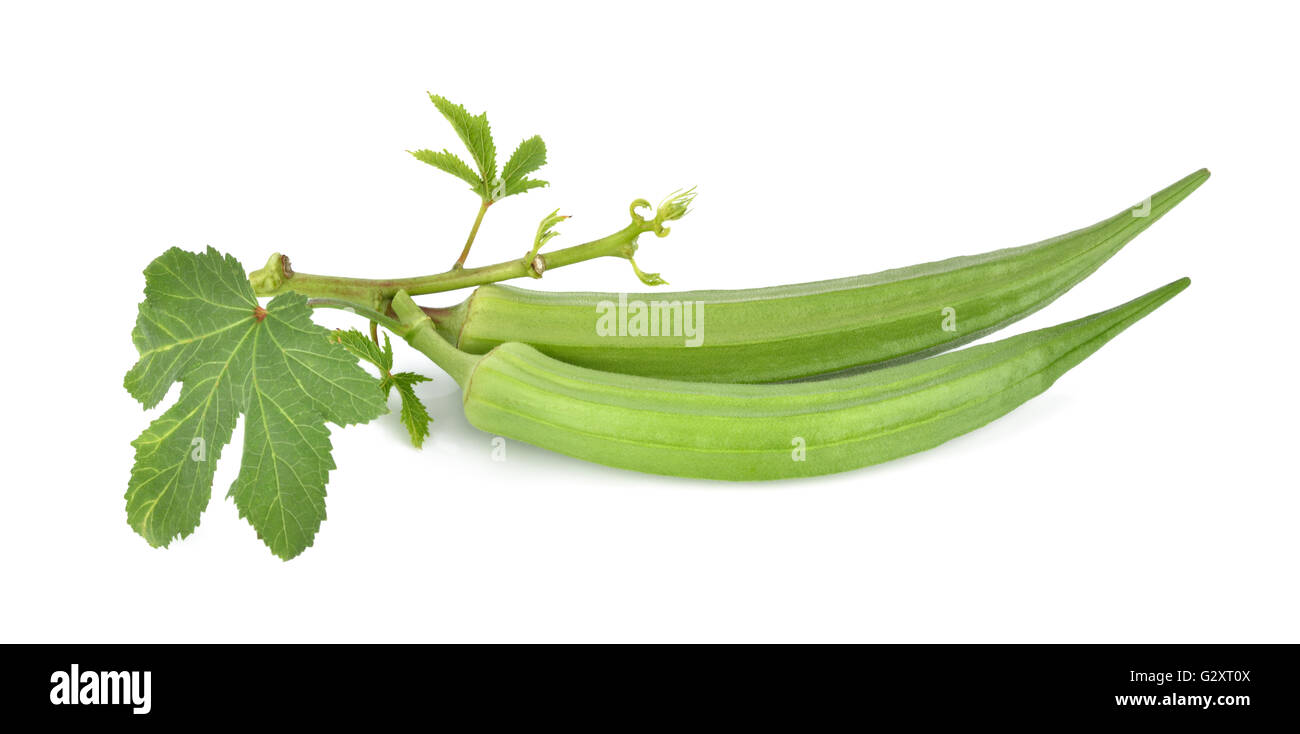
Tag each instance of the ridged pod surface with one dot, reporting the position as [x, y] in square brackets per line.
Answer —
[795, 331]
[753, 432]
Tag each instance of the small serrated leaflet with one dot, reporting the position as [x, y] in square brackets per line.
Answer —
[201, 325]
[474, 132]
[523, 185]
[362, 346]
[414, 415]
[528, 157]
[545, 232]
[451, 163]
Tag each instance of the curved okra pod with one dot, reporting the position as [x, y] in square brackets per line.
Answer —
[795, 331]
[749, 432]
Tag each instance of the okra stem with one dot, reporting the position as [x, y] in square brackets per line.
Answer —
[388, 322]
[278, 277]
[418, 331]
[473, 232]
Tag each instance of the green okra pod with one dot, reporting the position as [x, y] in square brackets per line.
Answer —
[795, 331]
[751, 432]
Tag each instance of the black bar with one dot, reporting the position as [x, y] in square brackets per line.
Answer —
[191, 684]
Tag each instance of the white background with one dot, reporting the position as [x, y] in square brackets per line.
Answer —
[1149, 496]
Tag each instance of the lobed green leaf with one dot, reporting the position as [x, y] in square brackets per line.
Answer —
[201, 325]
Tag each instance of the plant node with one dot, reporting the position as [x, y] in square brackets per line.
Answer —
[271, 277]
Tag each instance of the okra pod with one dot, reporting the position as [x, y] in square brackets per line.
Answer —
[752, 432]
[795, 331]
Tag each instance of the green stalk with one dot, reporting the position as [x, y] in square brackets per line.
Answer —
[418, 331]
[277, 277]
[375, 317]
[473, 232]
